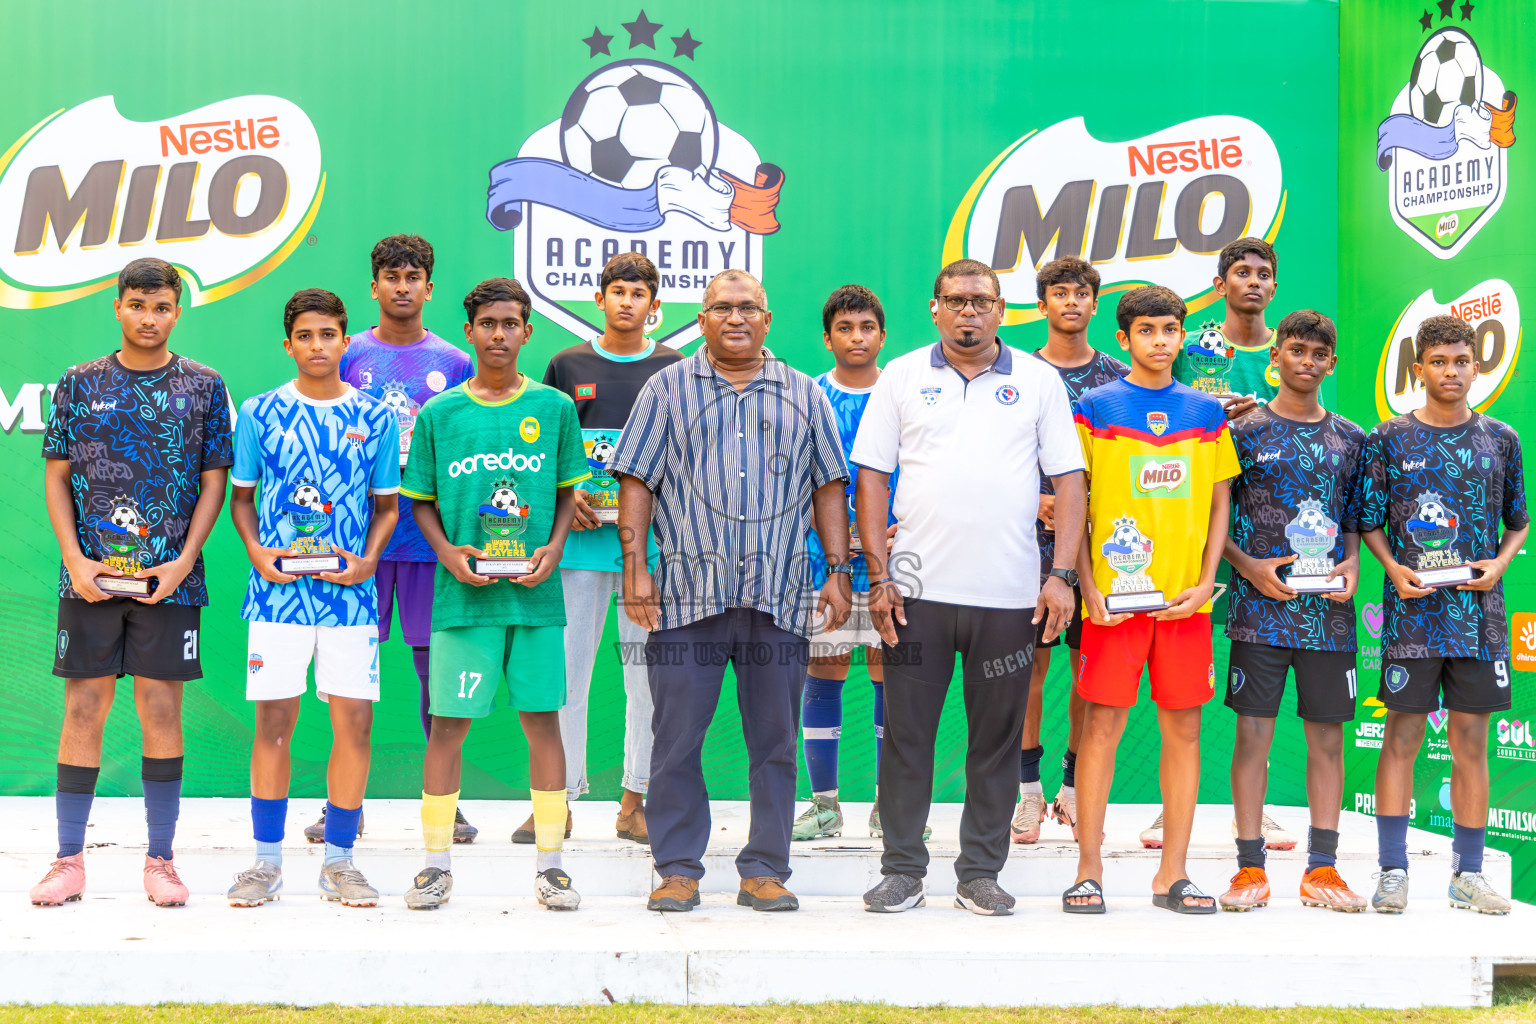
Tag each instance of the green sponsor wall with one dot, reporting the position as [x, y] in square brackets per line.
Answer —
[881, 115]
[1382, 269]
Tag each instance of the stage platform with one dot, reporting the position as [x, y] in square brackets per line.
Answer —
[493, 943]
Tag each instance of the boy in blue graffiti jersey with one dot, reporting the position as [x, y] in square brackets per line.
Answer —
[326, 459]
[1294, 511]
[853, 329]
[1439, 481]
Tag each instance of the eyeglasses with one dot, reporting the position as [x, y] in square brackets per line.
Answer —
[981, 303]
[722, 310]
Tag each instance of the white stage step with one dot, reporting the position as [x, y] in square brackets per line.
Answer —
[213, 842]
[493, 943]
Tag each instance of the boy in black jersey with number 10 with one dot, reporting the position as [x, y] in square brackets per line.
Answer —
[1439, 481]
[1294, 532]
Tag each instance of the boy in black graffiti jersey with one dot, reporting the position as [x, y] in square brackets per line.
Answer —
[1439, 481]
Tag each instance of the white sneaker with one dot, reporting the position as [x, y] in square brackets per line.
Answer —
[553, 888]
[1152, 838]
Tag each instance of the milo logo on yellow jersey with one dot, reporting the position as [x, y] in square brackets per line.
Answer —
[1160, 476]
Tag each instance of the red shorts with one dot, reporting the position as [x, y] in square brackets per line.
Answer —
[1176, 653]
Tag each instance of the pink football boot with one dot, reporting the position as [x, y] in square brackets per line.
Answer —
[162, 885]
[64, 882]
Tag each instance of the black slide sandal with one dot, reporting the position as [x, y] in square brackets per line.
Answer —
[1088, 887]
[1177, 893]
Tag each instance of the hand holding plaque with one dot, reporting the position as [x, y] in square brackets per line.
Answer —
[1313, 536]
[505, 518]
[308, 512]
[1129, 553]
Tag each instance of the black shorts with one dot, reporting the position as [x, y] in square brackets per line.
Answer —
[987, 641]
[1325, 681]
[122, 637]
[1074, 630]
[1422, 686]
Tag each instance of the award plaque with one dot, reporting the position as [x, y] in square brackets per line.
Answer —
[1129, 552]
[606, 516]
[127, 586]
[310, 564]
[1210, 359]
[1313, 537]
[1448, 576]
[602, 490]
[502, 568]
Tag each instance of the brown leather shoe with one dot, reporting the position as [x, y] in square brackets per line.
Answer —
[631, 826]
[766, 893]
[676, 892]
[524, 833]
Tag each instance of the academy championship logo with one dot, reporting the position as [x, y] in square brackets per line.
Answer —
[1444, 146]
[1494, 313]
[1153, 209]
[225, 192]
[636, 161]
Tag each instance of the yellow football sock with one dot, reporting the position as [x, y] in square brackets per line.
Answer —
[437, 813]
[548, 818]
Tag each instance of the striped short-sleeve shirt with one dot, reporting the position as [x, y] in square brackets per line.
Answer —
[732, 473]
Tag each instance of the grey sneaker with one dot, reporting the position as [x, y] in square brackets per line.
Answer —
[553, 888]
[876, 831]
[1471, 891]
[894, 894]
[258, 884]
[341, 881]
[1391, 891]
[822, 820]
[316, 833]
[463, 831]
[430, 889]
[983, 896]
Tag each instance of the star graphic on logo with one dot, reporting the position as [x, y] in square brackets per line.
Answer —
[1445, 7]
[685, 44]
[642, 31]
[597, 42]
[1466, 11]
[1426, 21]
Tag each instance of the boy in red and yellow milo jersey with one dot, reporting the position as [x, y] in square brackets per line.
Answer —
[1159, 459]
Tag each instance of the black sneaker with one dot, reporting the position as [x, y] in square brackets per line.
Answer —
[316, 833]
[463, 831]
[983, 896]
[894, 894]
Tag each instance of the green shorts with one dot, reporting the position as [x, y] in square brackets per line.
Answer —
[470, 663]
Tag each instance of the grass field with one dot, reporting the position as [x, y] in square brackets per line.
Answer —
[1514, 1001]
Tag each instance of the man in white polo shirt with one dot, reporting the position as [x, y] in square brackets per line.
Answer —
[972, 424]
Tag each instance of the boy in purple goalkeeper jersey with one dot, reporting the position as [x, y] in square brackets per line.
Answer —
[403, 364]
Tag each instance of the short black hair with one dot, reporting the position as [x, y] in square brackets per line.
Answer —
[314, 300]
[630, 266]
[1234, 251]
[1443, 330]
[402, 251]
[1149, 300]
[1066, 270]
[148, 274]
[966, 268]
[851, 298]
[496, 289]
[1309, 325]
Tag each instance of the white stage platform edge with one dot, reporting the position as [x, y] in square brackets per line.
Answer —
[498, 946]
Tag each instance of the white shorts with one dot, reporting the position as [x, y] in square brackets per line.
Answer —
[277, 661]
[857, 631]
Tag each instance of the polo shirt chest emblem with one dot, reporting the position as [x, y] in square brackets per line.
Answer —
[1007, 394]
[930, 394]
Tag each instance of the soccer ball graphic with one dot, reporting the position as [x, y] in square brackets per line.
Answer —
[1312, 520]
[1434, 512]
[602, 451]
[1126, 536]
[399, 401]
[308, 496]
[505, 500]
[1212, 341]
[124, 517]
[1446, 74]
[629, 120]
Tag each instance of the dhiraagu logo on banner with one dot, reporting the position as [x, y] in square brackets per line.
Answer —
[1444, 144]
[1494, 313]
[226, 192]
[638, 161]
[1151, 210]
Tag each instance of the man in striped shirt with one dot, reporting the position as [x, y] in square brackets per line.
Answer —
[734, 451]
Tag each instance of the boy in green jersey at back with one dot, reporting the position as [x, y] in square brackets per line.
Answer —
[492, 466]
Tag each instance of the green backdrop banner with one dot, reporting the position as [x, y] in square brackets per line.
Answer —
[814, 144]
[1421, 235]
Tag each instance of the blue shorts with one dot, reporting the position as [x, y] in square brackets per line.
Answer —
[408, 584]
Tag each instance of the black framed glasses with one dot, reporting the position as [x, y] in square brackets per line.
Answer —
[980, 303]
[722, 310]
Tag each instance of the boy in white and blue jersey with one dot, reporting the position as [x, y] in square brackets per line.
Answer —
[853, 329]
[326, 460]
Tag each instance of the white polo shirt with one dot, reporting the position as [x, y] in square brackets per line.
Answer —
[970, 453]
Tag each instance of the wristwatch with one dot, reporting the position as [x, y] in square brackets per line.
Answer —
[1067, 576]
[845, 569]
